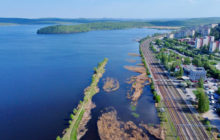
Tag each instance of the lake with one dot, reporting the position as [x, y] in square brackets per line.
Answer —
[43, 78]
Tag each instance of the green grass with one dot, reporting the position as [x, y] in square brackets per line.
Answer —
[166, 122]
[73, 135]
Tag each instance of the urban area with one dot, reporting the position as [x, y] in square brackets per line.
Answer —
[191, 59]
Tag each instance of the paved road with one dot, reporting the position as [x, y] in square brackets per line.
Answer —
[186, 123]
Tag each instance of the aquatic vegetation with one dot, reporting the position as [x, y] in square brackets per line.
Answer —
[135, 115]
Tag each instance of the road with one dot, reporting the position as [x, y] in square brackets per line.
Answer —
[186, 123]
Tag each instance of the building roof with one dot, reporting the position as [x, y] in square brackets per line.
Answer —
[197, 69]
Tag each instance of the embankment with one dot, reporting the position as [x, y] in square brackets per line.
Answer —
[81, 114]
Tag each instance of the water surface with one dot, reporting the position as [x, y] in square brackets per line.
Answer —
[43, 78]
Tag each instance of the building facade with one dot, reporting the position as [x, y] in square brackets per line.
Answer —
[214, 46]
[196, 73]
[199, 42]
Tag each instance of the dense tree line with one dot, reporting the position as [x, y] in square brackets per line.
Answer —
[203, 100]
[65, 29]
[216, 32]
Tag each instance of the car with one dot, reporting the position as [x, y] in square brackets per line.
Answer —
[212, 101]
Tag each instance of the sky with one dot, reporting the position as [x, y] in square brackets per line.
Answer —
[142, 9]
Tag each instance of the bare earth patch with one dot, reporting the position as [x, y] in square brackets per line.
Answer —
[138, 82]
[110, 84]
[86, 117]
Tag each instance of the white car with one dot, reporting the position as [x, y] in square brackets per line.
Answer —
[212, 101]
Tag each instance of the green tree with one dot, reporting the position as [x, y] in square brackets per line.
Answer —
[158, 42]
[157, 98]
[187, 61]
[201, 83]
[71, 116]
[218, 91]
[197, 62]
[181, 72]
[208, 125]
[167, 44]
[216, 32]
[211, 57]
[203, 103]
[75, 111]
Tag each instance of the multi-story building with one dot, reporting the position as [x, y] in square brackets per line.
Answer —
[184, 33]
[205, 31]
[170, 36]
[204, 41]
[196, 73]
[214, 25]
[214, 46]
[199, 43]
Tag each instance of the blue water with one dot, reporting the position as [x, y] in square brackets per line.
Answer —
[42, 78]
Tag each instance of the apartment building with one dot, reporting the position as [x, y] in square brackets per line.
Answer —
[214, 46]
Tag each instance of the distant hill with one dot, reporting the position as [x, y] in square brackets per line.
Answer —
[52, 21]
[60, 25]
[117, 24]
[155, 22]
[186, 22]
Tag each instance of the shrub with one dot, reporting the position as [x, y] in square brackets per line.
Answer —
[71, 116]
[58, 138]
[75, 111]
[207, 123]
[157, 98]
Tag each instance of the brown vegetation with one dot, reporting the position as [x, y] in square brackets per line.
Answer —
[111, 128]
[131, 60]
[156, 131]
[133, 54]
[140, 64]
[138, 82]
[110, 84]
